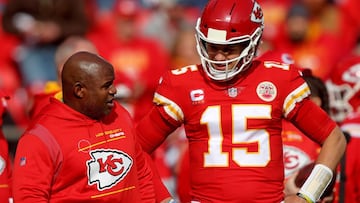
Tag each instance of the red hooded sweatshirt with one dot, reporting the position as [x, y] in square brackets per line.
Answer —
[65, 156]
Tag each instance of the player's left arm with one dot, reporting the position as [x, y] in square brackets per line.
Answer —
[315, 123]
[153, 129]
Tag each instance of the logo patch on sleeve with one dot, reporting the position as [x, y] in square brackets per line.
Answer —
[108, 167]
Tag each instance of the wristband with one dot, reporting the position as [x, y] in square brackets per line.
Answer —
[308, 200]
[318, 180]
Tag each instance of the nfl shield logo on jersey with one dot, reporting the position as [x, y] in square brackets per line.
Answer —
[108, 167]
[233, 92]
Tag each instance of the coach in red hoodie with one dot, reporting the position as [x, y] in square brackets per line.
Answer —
[83, 148]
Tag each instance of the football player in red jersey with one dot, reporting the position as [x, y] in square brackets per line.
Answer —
[83, 148]
[232, 107]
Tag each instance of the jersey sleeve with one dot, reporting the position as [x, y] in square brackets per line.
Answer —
[313, 121]
[152, 130]
[33, 171]
[164, 117]
[296, 90]
[167, 98]
[301, 111]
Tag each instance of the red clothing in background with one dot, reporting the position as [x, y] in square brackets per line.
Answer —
[5, 170]
[352, 162]
[40, 100]
[5, 163]
[138, 64]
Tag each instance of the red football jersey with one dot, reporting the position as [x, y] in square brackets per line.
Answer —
[234, 129]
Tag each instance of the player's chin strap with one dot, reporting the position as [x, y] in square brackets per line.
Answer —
[316, 183]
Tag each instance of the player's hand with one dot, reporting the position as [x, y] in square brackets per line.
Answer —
[290, 186]
[294, 199]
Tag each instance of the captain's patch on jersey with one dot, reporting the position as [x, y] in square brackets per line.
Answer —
[108, 167]
[197, 96]
[266, 91]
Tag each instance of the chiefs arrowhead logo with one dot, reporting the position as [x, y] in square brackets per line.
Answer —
[294, 159]
[108, 167]
[257, 15]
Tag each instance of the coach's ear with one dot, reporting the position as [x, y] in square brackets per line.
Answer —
[79, 90]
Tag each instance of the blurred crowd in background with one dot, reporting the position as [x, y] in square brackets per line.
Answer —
[144, 38]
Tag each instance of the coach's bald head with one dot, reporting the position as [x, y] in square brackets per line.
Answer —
[87, 84]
